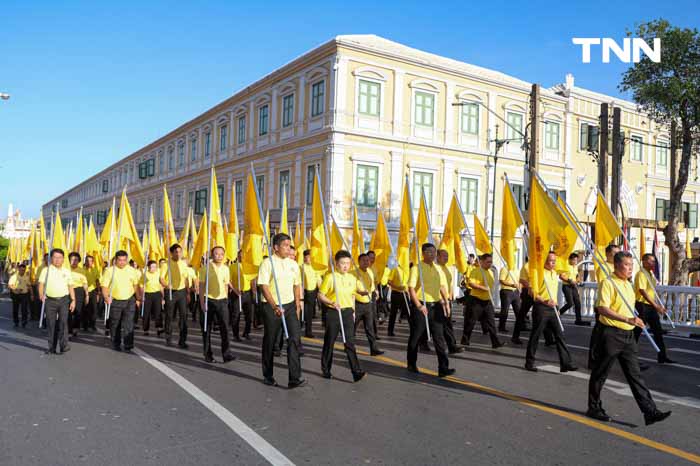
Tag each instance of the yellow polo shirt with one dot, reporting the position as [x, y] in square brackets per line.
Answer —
[245, 281]
[122, 281]
[508, 276]
[93, 276]
[476, 277]
[398, 280]
[345, 286]
[570, 272]
[219, 278]
[525, 272]
[366, 283]
[38, 273]
[78, 278]
[153, 282]
[549, 288]
[470, 267]
[433, 280]
[59, 281]
[287, 274]
[385, 276]
[609, 297]
[645, 281]
[20, 283]
[600, 272]
[179, 274]
[312, 279]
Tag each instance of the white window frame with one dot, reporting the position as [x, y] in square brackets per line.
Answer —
[323, 100]
[640, 137]
[372, 161]
[422, 131]
[462, 177]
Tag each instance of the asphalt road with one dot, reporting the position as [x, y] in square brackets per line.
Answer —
[165, 405]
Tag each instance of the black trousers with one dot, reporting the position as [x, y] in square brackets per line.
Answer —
[121, 316]
[194, 304]
[75, 317]
[152, 307]
[217, 310]
[398, 307]
[35, 304]
[650, 317]
[331, 334]
[365, 313]
[56, 314]
[572, 300]
[481, 310]
[436, 320]
[382, 303]
[177, 304]
[273, 330]
[20, 302]
[616, 344]
[309, 311]
[544, 317]
[466, 313]
[244, 306]
[509, 298]
[89, 315]
[525, 305]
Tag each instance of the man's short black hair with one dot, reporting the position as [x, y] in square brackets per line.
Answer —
[121, 253]
[573, 255]
[342, 254]
[279, 237]
[175, 247]
[426, 246]
[609, 248]
[648, 255]
[620, 256]
[74, 254]
[371, 252]
[307, 252]
[151, 262]
[364, 254]
[57, 251]
[486, 255]
[215, 248]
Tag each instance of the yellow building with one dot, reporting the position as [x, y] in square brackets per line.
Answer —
[368, 112]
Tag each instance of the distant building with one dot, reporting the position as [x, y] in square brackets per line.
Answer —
[14, 226]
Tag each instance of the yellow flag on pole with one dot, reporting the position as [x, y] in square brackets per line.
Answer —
[79, 234]
[217, 223]
[59, 239]
[169, 237]
[337, 242]
[284, 225]
[200, 247]
[688, 249]
[510, 222]
[357, 239]
[642, 242]
[233, 234]
[452, 239]
[403, 256]
[109, 228]
[382, 247]
[128, 234]
[252, 248]
[154, 248]
[481, 238]
[606, 227]
[422, 229]
[319, 248]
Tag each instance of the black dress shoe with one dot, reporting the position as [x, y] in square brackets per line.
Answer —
[270, 381]
[583, 323]
[498, 345]
[446, 372]
[210, 360]
[246, 336]
[183, 345]
[356, 377]
[237, 339]
[50, 351]
[598, 414]
[516, 341]
[277, 354]
[530, 367]
[456, 350]
[327, 375]
[568, 369]
[377, 353]
[297, 383]
[643, 367]
[413, 369]
[229, 357]
[666, 361]
[391, 334]
[168, 343]
[656, 416]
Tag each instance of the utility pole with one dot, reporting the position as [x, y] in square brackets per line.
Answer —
[602, 149]
[534, 126]
[617, 147]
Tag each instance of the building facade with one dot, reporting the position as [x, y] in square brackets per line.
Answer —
[368, 112]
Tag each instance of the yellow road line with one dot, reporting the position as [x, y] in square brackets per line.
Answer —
[692, 457]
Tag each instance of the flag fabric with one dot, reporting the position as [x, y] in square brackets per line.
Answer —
[544, 223]
[169, 236]
[233, 235]
[382, 247]
[300, 241]
[422, 229]
[358, 243]
[606, 227]
[510, 222]
[154, 248]
[688, 250]
[217, 223]
[93, 246]
[655, 251]
[337, 241]
[452, 239]
[284, 224]
[481, 238]
[642, 242]
[566, 238]
[184, 239]
[59, 239]
[200, 247]
[252, 247]
[79, 235]
[127, 233]
[109, 228]
[42, 235]
[319, 247]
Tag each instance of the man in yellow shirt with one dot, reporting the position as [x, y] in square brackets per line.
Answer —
[312, 280]
[36, 303]
[481, 281]
[509, 294]
[430, 299]
[58, 298]
[399, 298]
[152, 298]
[608, 266]
[20, 292]
[616, 342]
[544, 317]
[336, 294]
[80, 288]
[471, 264]
[92, 274]
[121, 288]
[280, 282]
[570, 282]
[365, 309]
[176, 278]
[214, 301]
[648, 307]
[442, 258]
[525, 303]
[240, 300]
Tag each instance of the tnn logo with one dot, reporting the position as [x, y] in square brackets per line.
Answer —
[630, 50]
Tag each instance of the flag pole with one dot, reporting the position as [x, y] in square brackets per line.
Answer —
[166, 233]
[207, 254]
[145, 267]
[405, 299]
[419, 260]
[303, 279]
[354, 264]
[119, 238]
[330, 251]
[269, 254]
[599, 262]
[48, 268]
[523, 225]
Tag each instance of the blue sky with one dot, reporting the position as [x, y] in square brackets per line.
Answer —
[92, 82]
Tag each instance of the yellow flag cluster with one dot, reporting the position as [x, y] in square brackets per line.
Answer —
[510, 222]
[452, 239]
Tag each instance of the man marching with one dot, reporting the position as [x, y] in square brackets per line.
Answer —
[58, 297]
[365, 306]
[281, 295]
[481, 281]
[20, 291]
[79, 283]
[121, 285]
[215, 303]
[311, 283]
[176, 276]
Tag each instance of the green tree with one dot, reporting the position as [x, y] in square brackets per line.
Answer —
[4, 245]
[669, 92]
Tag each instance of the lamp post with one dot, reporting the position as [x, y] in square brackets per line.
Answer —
[4, 96]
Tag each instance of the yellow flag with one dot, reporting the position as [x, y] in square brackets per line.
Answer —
[422, 229]
[252, 249]
[79, 235]
[688, 249]
[169, 236]
[544, 223]
[59, 239]
[357, 240]
[129, 237]
[217, 223]
[483, 243]
[319, 247]
[284, 226]
[184, 238]
[92, 245]
[403, 256]
[510, 222]
[42, 235]
[109, 228]
[381, 248]
[337, 242]
[233, 234]
[642, 242]
[566, 239]
[29, 244]
[154, 248]
[606, 227]
[451, 238]
[300, 241]
[200, 247]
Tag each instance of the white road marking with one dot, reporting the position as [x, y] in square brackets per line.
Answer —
[683, 350]
[623, 389]
[260, 445]
[682, 366]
